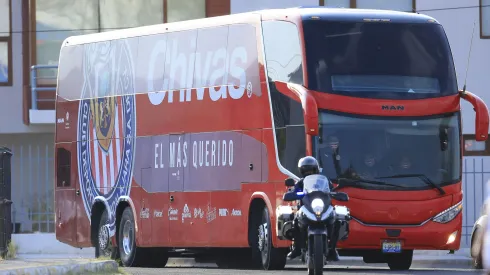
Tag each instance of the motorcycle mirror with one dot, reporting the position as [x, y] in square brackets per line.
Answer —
[340, 196]
[290, 196]
[289, 182]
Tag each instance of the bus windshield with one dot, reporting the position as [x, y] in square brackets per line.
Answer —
[379, 60]
[380, 149]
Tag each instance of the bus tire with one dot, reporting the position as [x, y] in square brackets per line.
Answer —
[104, 247]
[265, 254]
[129, 253]
[401, 261]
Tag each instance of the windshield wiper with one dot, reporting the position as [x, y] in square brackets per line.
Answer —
[352, 182]
[423, 177]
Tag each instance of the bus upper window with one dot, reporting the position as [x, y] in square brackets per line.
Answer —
[379, 60]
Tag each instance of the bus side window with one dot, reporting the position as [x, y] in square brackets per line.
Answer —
[283, 52]
[284, 63]
[63, 167]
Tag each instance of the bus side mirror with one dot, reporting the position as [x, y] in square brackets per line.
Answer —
[308, 102]
[481, 122]
[289, 182]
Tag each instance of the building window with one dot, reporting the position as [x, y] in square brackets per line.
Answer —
[485, 19]
[475, 148]
[398, 5]
[56, 20]
[178, 10]
[5, 43]
[116, 14]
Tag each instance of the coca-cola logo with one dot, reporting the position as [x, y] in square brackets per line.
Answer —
[216, 74]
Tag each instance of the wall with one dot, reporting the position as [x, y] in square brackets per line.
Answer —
[11, 97]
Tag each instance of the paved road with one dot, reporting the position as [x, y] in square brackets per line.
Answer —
[358, 269]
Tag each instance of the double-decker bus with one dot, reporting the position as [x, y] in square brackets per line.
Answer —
[177, 138]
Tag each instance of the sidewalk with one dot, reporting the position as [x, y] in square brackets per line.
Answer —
[40, 264]
[55, 264]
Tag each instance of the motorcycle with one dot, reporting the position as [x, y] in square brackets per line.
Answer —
[315, 214]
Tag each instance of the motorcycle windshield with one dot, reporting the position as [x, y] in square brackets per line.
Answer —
[314, 183]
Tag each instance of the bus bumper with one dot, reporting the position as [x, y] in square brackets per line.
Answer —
[429, 236]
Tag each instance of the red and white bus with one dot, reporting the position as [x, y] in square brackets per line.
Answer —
[178, 137]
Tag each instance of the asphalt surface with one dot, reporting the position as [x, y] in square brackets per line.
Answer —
[358, 269]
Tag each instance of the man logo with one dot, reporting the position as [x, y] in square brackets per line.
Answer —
[106, 126]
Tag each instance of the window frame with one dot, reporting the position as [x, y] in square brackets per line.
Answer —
[8, 40]
[483, 153]
[33, 31]
[480, 11]
[353, 4]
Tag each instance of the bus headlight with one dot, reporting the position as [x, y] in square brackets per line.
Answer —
[318, 205]
[449, 214]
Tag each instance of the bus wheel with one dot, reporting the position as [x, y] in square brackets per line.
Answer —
[401, 261]
[269, 257]
[104, 247]
[130, 254]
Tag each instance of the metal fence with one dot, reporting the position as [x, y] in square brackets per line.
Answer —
[476, 174]
[32, 182]
[43, 76]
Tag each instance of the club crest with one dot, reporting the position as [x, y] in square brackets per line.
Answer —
[106, 126]
[103, 111]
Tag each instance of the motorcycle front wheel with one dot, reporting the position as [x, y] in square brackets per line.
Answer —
[318, 257]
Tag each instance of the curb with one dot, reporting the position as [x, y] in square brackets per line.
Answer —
[344, 261]
[69, 268]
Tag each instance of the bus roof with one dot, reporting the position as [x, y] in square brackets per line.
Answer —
[361, 15]
[305, 13]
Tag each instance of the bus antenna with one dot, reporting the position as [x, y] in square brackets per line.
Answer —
[469, 56]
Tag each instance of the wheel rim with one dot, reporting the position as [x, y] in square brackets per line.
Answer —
[104, 241]
[128, 237]
[264, 241]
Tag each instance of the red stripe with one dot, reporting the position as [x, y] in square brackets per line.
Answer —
[91, 148]
[121, 130]
[101, 163]
[107, 163]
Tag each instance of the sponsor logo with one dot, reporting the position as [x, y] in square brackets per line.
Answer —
[198, 213]
[173, 213]
[145, 213]
[236, 212]
[186, 213]
[157, 214]
[105, 160]
[223, 212]
[203, 65]
[210, 214]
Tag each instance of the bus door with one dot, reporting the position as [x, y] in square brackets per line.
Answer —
[66, 210]
[187, 199]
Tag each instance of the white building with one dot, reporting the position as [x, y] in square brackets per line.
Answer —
[31, 33]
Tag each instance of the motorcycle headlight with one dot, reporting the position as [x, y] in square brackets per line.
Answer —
[317, 205]
[449, 214]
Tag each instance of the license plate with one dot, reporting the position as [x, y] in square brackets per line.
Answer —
[390, 246]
